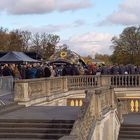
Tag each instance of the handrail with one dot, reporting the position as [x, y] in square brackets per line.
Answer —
[1, 103]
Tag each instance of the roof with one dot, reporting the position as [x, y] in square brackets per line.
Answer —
[66, 56]
[13, 57]
[60, 62]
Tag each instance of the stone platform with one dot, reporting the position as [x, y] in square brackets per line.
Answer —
[44, 113]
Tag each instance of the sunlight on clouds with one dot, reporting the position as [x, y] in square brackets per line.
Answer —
[90, 43]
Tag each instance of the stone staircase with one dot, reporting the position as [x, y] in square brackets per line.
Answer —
[23, 129]
[129, 132]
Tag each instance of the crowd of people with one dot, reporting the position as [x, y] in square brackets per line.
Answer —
[37, 70]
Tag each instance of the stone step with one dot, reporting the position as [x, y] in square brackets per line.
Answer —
[35, 130]
[130, 125]
[130, 132]
[127, 139]
[35, 121]
[130, 128]
[30, 135]
[24, 139]
[36, 125]
[126, 136]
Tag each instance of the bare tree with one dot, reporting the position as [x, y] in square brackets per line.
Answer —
[26, 37]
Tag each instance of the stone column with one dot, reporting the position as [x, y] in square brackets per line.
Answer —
[21, 91]
[105, 80]
[65, 84]
[112, 95]
[48, 87]
[98, 109]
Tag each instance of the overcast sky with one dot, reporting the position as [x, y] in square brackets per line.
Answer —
[86, 26]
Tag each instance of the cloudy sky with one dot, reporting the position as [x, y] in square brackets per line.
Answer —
[86, 26]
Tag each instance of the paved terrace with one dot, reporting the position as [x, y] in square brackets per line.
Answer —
[44, 113]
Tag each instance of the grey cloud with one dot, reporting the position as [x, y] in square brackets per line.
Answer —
[127, 14]
[78, 23]
[19, 7]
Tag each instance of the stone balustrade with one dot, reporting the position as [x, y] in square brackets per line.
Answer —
[125, 80]
[83, 82]
[31, 89]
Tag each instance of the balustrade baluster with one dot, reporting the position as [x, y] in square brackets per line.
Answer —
[132, 80]
[115, 80]
[119, 80]
[129, 80]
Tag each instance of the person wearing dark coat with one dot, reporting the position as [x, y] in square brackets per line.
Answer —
[66, 70]
[39, 72]
[75, 70]
[47, 72]
[122, 69]
[131, 69]
[104, 70]
[115, 70]
[7, 71]
[28, 74]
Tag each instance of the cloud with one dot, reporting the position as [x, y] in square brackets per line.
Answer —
[128, 13]
[20, 7]
[54, 28]
[84, 44]
[46, 28]
[79, 22]
[90, 43]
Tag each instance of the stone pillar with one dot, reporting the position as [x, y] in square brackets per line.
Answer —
[65, 84]
[105, 80]
[48, 87]
[44, 87]
[98, 109]
[21, 92]
[112, 95]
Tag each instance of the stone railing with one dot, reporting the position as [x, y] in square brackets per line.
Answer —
[125, 80]
[83, 82]
[91, 123]
[31, 89]
[89, 81]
